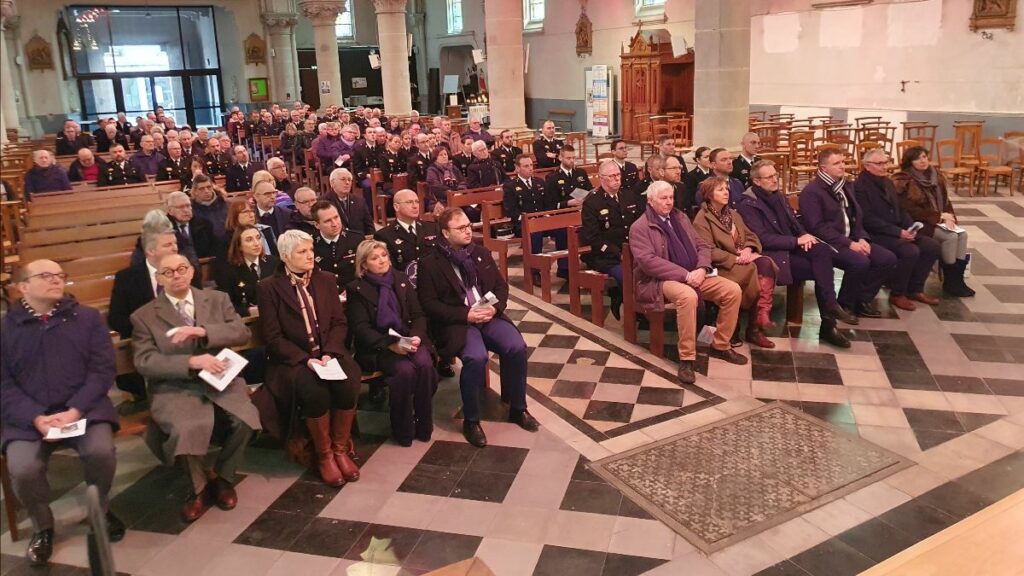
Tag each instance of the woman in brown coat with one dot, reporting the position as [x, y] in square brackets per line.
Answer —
[925, 197]
[736, 253]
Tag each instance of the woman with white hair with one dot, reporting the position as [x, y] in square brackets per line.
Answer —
[305, 330]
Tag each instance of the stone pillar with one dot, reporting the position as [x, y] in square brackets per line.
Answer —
[506, 88]
[280, 28]
[721, 89]
[394, 56]
[8, 106]
[322, 14]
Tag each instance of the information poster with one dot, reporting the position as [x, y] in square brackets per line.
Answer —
[600, 96]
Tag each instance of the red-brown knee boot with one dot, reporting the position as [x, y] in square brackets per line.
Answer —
[764, 302]
[341, 443]
[320, 431]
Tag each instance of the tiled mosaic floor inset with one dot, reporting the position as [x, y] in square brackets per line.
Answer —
[732, 479]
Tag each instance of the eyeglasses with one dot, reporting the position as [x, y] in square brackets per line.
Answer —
[182, 207]
[408, 202]
[48, 276]
[767, 177]
[304, 202]
[878, 162]
[170, 272]
[615, 176]
[463, 228]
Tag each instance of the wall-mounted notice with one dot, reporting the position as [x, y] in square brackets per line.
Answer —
[601, 103]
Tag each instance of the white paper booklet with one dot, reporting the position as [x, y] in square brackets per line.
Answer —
[404, 342]
[235, 362]
[915, 226]
[489, 299]
[332, 371]
[68, 431]
[955, 229]
[579, 193]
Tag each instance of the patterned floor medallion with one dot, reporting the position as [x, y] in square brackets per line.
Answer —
[735, 478]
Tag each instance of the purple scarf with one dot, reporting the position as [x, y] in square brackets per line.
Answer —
[462, 259]
[680, 250]
[389, 315]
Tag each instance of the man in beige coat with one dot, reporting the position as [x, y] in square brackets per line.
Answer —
[184, 406]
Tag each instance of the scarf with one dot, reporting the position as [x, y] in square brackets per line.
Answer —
[836, 185]
[389, 315]
[462, 259]
[680, 250]
[301, 284]
[928, 181]
[725, 219]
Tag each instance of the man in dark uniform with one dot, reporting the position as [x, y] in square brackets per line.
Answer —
[367, 157]
[562, 182]
[355, 214]
[175, 166]
[217, 162]
[464, 158]
[484, 171]
[189, 146]
[525, 194]
[119, 171]
[750, 144]
[654, 169]
[334, 248]
[630, 173]
[408, 237]
[545, 148]
[672, 173]
[419, 162]
[608, 213]
[505, 152]
[667, 148]
[239, 175]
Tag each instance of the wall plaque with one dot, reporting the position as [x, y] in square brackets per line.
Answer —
[39, 53]
[255, 50]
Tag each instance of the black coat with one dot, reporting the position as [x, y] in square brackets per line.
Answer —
[200, 237]
[240, 180]
[115, 175]
[339, 258]
[278, 219]
[776, 226]
[605, 226]
[506, 157]
[519, 198]
[691, 182]
[541, 147]
[403, 247]
[361, 308]
[179, 170]
[67, 147]
[741, 169]
[241, 283]
[883, 215]
[443, 300]
[133, 289]
[482, 173]
[354, 213]
[559, 186]
[416, 167]
[75, 170]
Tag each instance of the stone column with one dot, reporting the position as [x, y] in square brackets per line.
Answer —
[394, 56]
[8, 106]
[280, 27]
[721, 88]
[322, 14]
[506, 88]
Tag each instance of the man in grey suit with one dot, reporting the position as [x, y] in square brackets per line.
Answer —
[185, 407]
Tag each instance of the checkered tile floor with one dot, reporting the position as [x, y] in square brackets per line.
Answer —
[942, 387]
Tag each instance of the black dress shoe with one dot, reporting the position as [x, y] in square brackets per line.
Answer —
[474, 434]
[736, 341]
[685, 372]
[423, 435]
[40, 548]
[868, 310]
[445, 370]
[115, 528]
[536, 279]
[729, 356]
[524, 419]
[834, 337]
[837, 312]
[404, 442]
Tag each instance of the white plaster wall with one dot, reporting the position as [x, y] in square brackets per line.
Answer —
[53, 97]
[856, 57]
[365, 24]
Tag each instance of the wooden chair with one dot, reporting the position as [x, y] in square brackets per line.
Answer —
[582, 279]
[1015, 158]
[883, 136]
[781, 160]
[380, 200]
[802, 160]
[923, 133]
[902, 147]
[949, 154]
[533, 222]
[492, 215]
[866, 119]
[993, 166]
[968, 136]
[781, 117]
[630, 310]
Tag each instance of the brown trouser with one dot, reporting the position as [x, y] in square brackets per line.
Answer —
[721, 291]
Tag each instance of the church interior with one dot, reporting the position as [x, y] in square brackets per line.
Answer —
[769, 320]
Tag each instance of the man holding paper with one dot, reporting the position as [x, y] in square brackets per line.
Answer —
[178, 340]
[453, 280]
[57, 368]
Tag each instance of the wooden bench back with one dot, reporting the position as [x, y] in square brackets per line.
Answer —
[558, 219]
[89, 217]
[36, 237]
[75, 250]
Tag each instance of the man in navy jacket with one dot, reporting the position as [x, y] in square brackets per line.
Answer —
[831, 212]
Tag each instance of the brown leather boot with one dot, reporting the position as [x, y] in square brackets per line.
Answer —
[764, 302]
[341, 443]
[320, 431]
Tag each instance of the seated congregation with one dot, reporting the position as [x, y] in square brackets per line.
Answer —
[328, 260]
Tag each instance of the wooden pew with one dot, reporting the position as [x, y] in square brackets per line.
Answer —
[492, 213]
[72, 251]
[582, 279]
[533, 222]
[630, 311]
[89, 217]
[96, 266]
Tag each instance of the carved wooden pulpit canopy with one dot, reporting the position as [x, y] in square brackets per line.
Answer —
[654, 82]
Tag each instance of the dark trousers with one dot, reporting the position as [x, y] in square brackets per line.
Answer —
[615, 272]
[561, 243]
[816, 265]
[863, 275]
[27, 462]
[412, 382]
[500, 336]
[133, 384]
[316, 396]
[236, 435]
[915, 261]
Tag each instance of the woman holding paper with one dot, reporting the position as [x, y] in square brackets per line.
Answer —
[382, 303]
[925, 197]
[310, 374]
[736, 253]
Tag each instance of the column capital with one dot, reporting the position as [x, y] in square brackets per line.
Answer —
[321, 12]
[6, 9]
[389, 6]
[279, 20]
[12, 22]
